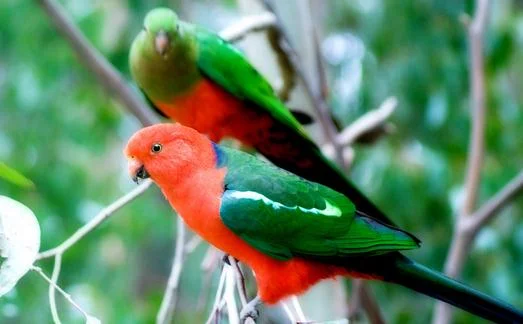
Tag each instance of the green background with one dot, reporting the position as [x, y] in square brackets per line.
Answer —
[63, 131]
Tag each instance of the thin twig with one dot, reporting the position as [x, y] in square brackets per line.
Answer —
[217, 299]
[170, 297]
[240, 280]
[66, 295]
[96, 221]
[288, 311]
[106, 74]
[192, 244]
[230, 283]
[370, 306]
[52, 296]
[463, 237]
[246, 25]
[492, 207]
[299, 311]
[368, 122]
[365, 124]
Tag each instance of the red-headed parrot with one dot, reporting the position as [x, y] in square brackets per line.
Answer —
[292, 232]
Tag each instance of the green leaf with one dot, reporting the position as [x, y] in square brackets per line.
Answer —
[11, 175]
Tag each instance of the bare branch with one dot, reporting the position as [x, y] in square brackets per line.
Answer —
[95, 62]
[368, 122]
[492, 207]
[477, 79]
[230, 283]
[96, 221]
[240, 280]
[52, 295]
[362, 126]
[288, 312]
[299, 311]
[320, 105]
[463, 238]
[170, 297]
[246, 25]
[88, 317]
[217, 299]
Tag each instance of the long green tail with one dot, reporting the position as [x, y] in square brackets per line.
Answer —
[415, 276]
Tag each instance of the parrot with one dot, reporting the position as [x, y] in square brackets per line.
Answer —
[192, 76]
[290, 231]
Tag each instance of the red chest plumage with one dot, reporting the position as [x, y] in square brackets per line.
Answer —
[212, 111]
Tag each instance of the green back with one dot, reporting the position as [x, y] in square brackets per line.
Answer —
[284, 215]
[225, 65]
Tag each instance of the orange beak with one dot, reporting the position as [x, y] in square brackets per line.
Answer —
[137, 170]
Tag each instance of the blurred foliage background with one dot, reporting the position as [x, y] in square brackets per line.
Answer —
[64, 132]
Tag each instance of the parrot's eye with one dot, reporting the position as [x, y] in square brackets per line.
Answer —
[156, 148]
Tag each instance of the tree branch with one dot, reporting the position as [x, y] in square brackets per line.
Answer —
[89, 318]
[362, 127]
[319, 104]
[168, 305]
[106, 74]
[463, 236]
[492, 207]
[246, 25]
[96, 221]
[52, 296]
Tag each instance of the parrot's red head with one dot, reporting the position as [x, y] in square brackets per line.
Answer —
[168, 151]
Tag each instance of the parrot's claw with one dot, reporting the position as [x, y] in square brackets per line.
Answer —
[249, 313]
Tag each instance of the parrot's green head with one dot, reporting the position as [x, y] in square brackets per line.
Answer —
[162, 29]
[163, 55]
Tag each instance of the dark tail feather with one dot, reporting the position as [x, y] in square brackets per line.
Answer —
[421, 279]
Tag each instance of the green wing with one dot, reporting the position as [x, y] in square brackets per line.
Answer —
[225, 65]
[283, 215]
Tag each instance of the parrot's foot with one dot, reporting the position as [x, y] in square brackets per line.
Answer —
[249, 311]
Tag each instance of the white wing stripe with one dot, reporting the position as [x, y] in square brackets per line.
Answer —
[329, 210]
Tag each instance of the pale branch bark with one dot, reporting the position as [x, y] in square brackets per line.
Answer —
[362, 126]
[288, 312]
[246, 25]
[105, 73]
[217, 299]
[371, 307]
[492, 207]
[170, 297]
[96, 221]
[463, 237]
[299, 310]
[240, 280]
[52, 296]
[320, 106]
[88, 317]
[477, 79]
[368, 122]
[229, 296]
[362, 298]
